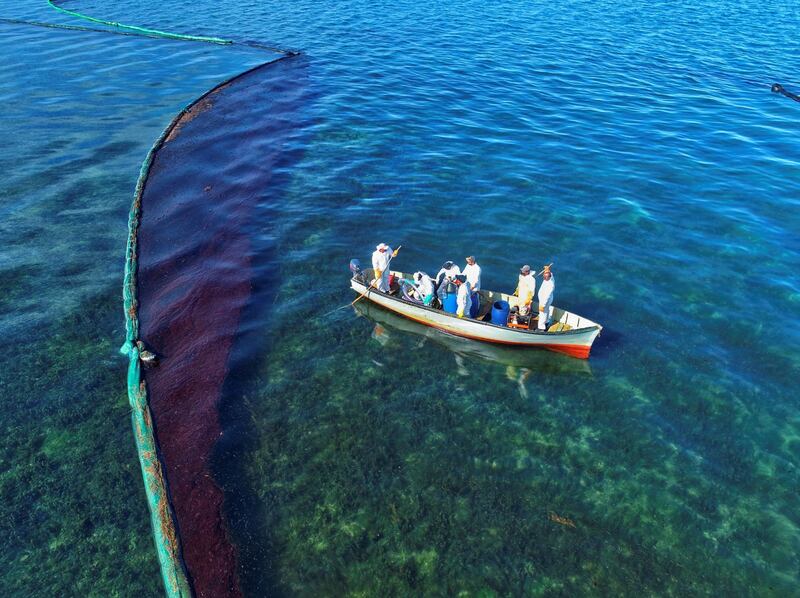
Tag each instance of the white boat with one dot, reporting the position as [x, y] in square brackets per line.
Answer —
[568, 333]
[388, 323]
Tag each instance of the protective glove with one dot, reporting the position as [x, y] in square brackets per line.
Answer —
[378, 274]
[541, 308]
[394, 253]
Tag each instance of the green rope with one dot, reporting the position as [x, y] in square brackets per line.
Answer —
[162, 517]
[165, 535]
[197, 38]
[164, 530]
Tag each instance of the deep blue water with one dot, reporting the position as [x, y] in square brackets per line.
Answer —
[637, 147]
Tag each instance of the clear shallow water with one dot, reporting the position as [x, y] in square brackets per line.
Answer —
[630, 146]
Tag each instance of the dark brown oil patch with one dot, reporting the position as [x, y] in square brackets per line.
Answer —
[195, 278]
[190, 114]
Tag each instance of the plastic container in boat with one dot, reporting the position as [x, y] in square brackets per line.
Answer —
[449, 299]
[475, 306]
[500, 313]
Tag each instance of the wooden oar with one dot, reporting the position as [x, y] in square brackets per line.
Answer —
[370, 287]
[550, 265]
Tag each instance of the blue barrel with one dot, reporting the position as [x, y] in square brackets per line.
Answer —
[500, 313]
[449, 299]
[476, 305]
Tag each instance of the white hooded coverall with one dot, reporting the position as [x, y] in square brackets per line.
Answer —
[473, 273]
[463, 299]
[443, 275]
[526, 289]
[546, 302]
[424, 288]
[380, 261]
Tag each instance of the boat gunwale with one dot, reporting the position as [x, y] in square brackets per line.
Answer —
[521, 331]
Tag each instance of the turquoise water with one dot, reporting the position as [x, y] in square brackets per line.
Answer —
[638, 148]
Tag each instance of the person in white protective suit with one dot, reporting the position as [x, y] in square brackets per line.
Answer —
[464, 296]
[545, 297]
[447, 274]
[473, 272]
[526, 286]
[423, 287]
[381, 257]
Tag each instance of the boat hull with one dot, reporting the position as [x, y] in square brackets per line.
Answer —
[544, 362]
[576, 342]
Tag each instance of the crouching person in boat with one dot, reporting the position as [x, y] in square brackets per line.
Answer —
[423, 288]
[464, 296]
[545, 297]
[525, 291]
[381, 257]
[446, 275]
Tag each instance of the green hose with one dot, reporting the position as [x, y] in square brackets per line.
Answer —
[196, 38]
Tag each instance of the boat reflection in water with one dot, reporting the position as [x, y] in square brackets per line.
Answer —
[528, 360]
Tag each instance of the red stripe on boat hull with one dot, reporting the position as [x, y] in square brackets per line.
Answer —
[579, 351]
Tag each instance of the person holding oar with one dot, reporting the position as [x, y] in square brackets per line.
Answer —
[526, 288]
[381, 257]
[546, 290]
